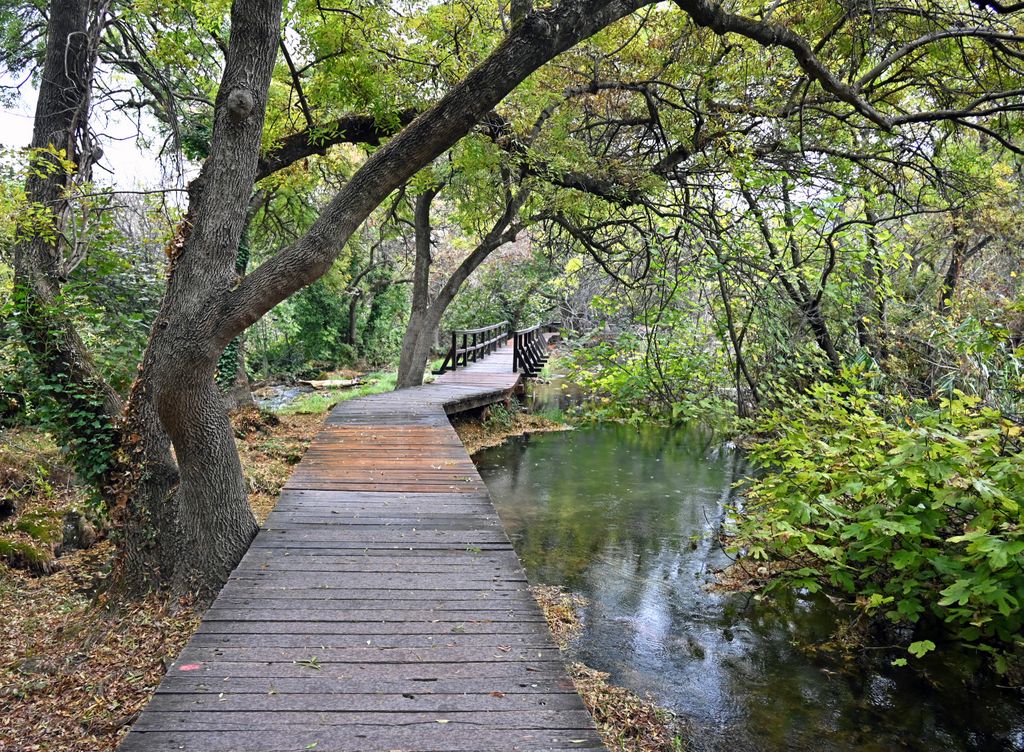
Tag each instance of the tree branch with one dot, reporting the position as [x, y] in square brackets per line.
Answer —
[540, 38]
[713, 16]
[316, 140]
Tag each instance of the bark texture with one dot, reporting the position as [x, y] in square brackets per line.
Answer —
[212, 523]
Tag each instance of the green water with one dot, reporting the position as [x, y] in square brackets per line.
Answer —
[627, 518]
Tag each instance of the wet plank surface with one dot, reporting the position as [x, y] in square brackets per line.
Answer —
[381, 606]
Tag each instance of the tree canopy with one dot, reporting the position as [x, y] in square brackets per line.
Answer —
[728, 203]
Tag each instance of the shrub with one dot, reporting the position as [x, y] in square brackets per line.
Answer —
[912, 508]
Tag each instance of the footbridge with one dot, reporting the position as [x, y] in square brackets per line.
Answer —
[381, 606]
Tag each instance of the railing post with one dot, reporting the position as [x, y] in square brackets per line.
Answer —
[472, 345]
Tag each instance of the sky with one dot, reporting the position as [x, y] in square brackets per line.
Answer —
[125, 164]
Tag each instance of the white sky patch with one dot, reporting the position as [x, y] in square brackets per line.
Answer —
[128, 163]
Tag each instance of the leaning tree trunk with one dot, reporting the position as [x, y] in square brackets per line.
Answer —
[425, 319]
[213, 524]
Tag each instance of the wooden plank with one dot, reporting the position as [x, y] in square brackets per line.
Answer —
[308, 643]
[240, 686]
[348, 584]
[380, 607]
[420, 672]
[366, 629]
[365, 654]
[426, 738]
[330, 702]
[216, 720]
[344, 615]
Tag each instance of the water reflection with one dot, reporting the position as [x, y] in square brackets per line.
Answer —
[626, 518]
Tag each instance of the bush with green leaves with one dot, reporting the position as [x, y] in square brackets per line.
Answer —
[502, 416]
[655, 376]
[911, 508]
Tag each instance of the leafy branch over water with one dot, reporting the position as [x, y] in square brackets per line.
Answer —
[910, 509]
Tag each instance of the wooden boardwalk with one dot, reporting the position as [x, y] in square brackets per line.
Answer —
[381, 606]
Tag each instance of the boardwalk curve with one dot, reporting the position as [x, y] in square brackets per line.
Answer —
[380, 607]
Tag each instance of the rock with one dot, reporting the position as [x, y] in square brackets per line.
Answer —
[7, 508]
[331, 383]
[78, 532]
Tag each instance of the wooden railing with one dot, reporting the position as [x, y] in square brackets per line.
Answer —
[530, 349]
[469, 345]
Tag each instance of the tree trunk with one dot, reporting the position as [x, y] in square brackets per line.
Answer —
[416, 348]
[239, 392]
[736, 340]
[351, 331]
[213, 523]
[815, 318]
[416, 343]
[144, 510]
[808, 303]
[959, 255]
[88, 407]
[952, 275]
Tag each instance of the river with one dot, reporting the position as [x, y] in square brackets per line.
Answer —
[627, 518]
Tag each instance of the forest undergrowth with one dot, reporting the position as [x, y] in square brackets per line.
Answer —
[76, 668]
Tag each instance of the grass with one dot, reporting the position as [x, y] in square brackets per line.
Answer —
[320, 402]
[553, 414]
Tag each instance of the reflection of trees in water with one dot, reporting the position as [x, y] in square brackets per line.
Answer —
[610, 511]
[610, 493]
[791, 700]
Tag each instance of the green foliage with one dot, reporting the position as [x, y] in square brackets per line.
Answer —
[71, 410]
[659, 376]
[21, 42]
[503, 289]
[113, 297]
[78, 421]
[309, 333]
[502, 416]
[913, 509]
[384, 326]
